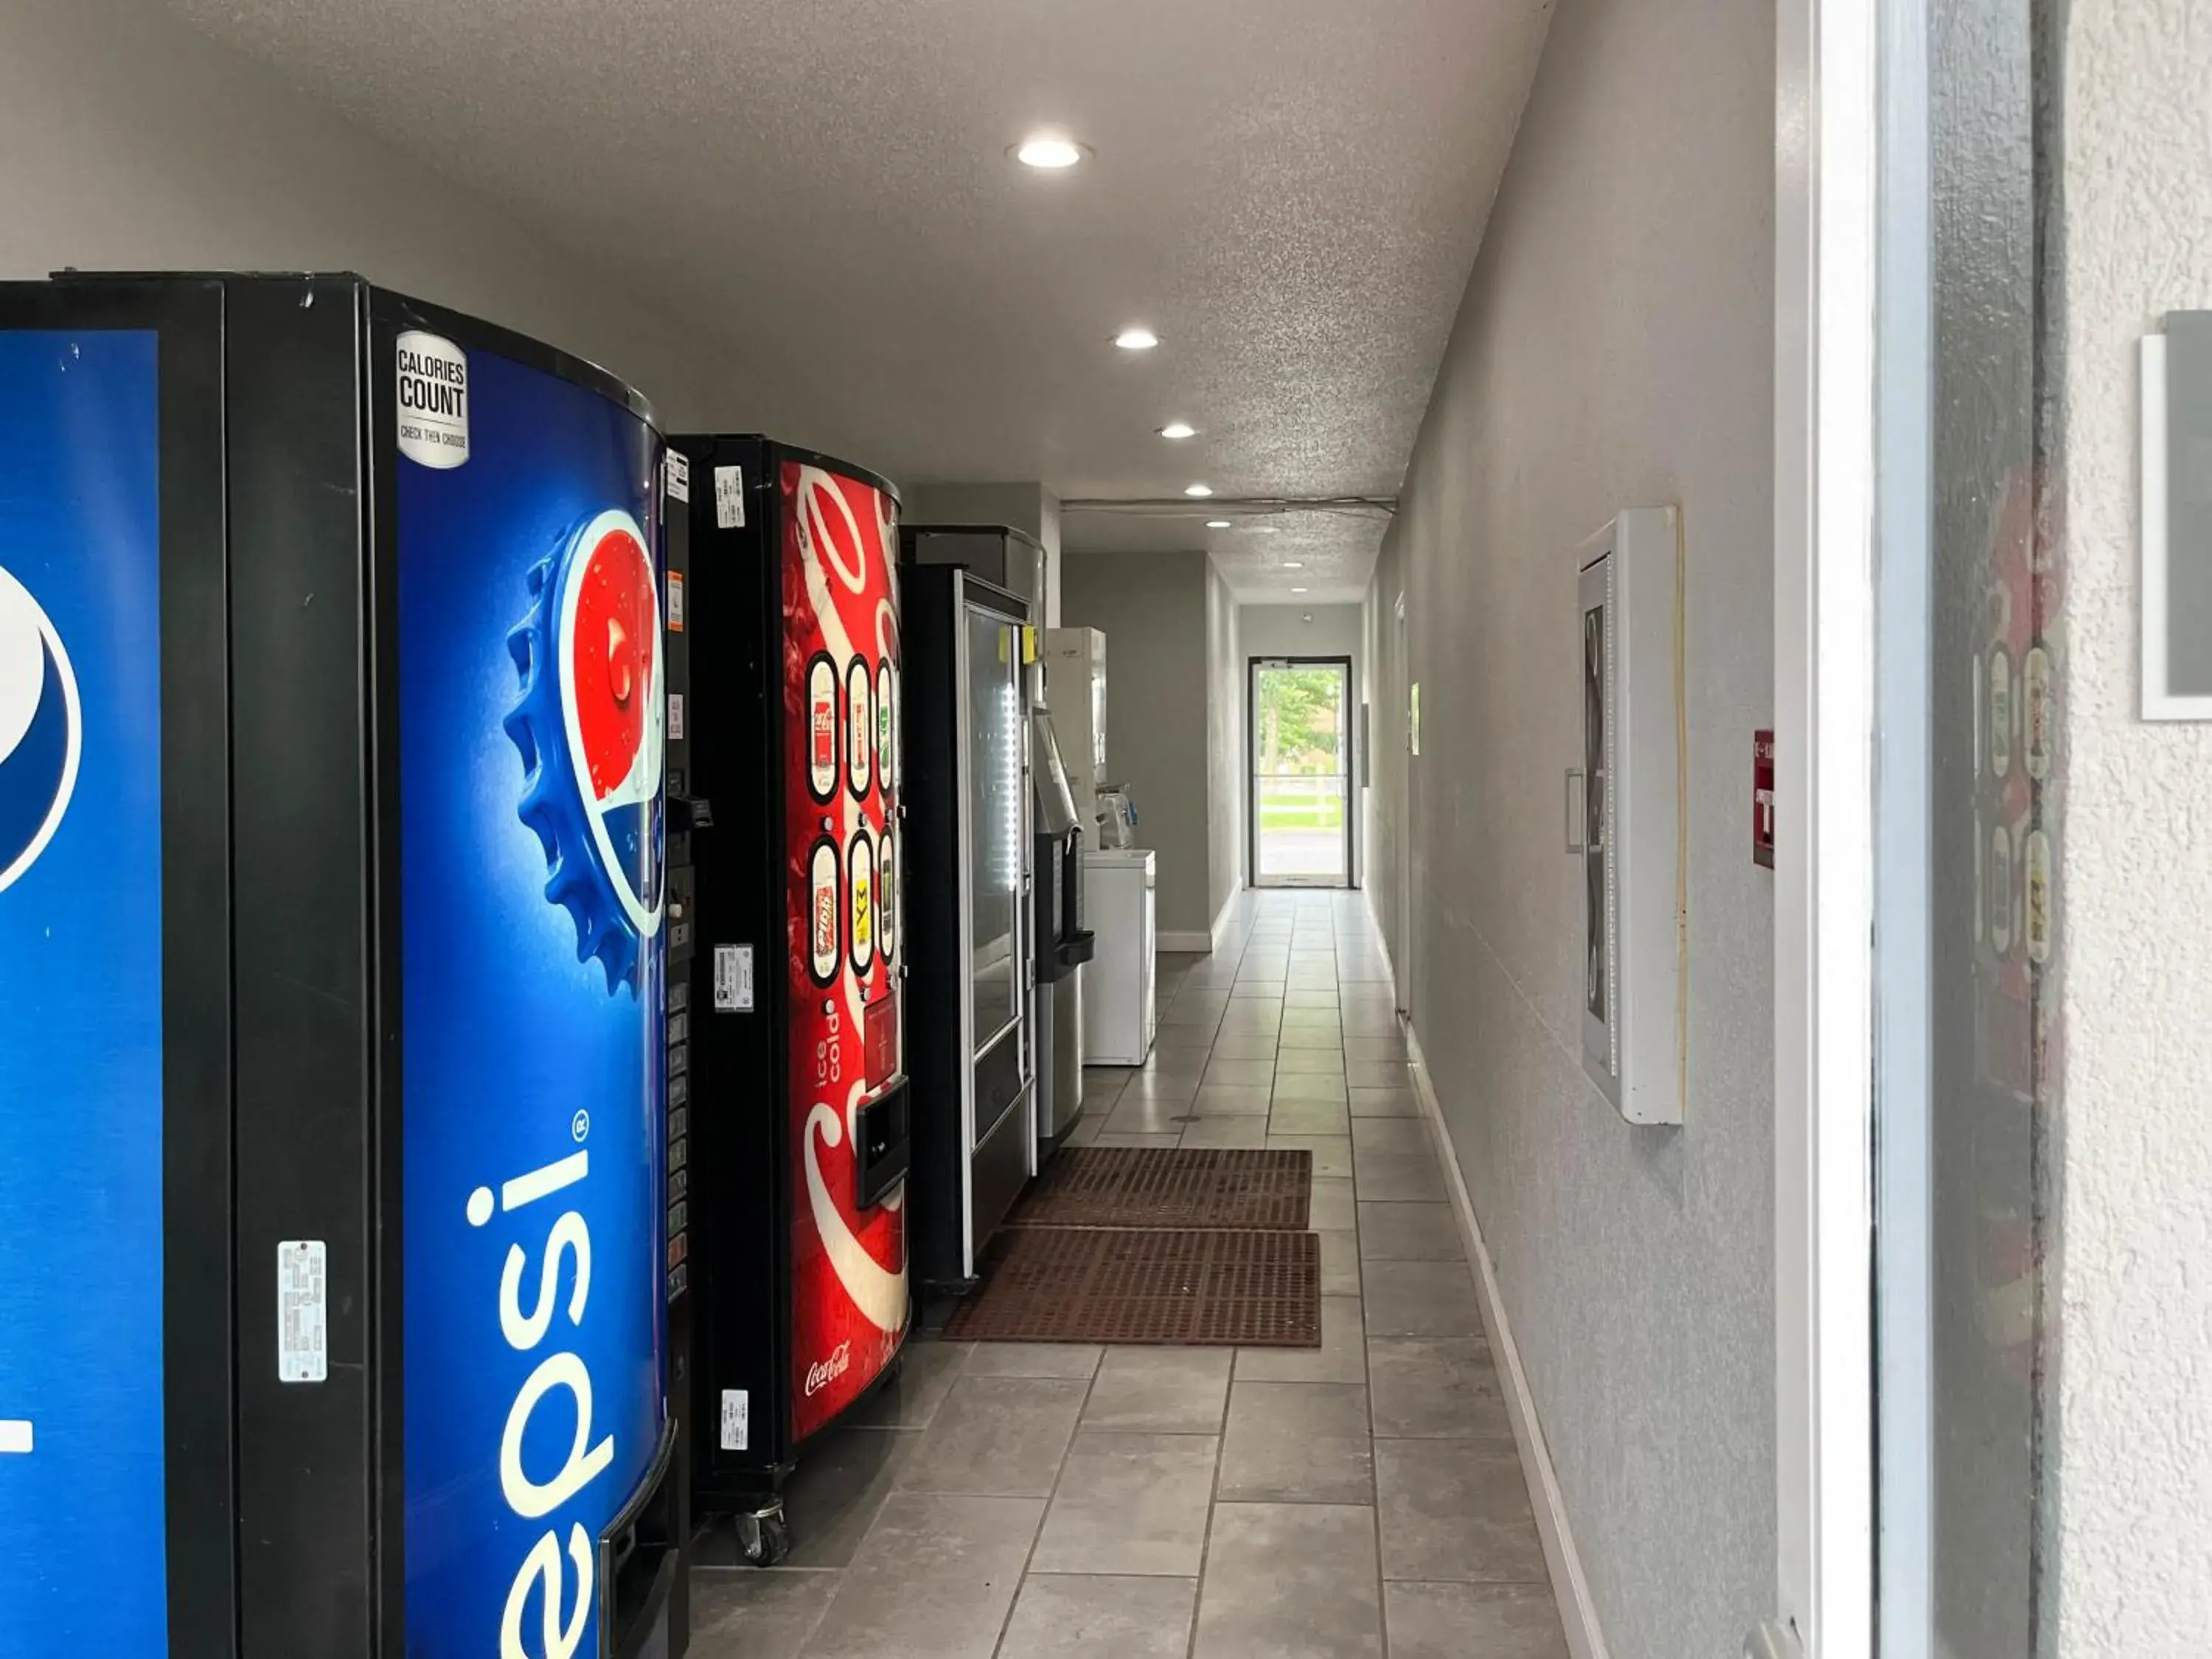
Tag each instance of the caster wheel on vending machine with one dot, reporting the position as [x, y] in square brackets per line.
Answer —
[764, 1536]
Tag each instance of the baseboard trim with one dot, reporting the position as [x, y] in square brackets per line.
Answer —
[1195, 943]
[1222, 916]
[1570, 1584]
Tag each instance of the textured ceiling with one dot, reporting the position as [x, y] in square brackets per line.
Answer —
[1290, 192]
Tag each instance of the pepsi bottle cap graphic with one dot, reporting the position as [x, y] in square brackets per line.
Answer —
[589, 726]
[41, 730]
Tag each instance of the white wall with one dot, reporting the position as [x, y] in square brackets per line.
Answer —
[2132, 1331]
[1613, 349]
[133, 144]
[1224, 740]
[1315, 630]
[1152, 609]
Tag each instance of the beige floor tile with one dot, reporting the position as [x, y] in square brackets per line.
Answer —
[1384, 1103]
[746, 1613]
[1342, 1358]
[1409, 1232]
[933, 1580]
[1437, 1388]
[1130, 1503]
[1290, 1581]
[1087, 1616]
[1421, 1298]
[1297, 1443]
[926, 1372]
[997, 1436]
[1160, 1390]
[1455, 1511]
[1473, 1621]
[1398, 1177]
[1332, 1154]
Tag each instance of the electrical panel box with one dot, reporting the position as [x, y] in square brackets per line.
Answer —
[1626, 814]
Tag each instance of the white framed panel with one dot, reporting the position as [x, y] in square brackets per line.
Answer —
[1634, 889]
[2164, 696]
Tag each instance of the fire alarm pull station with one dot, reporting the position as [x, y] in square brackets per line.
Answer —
[1624, 810]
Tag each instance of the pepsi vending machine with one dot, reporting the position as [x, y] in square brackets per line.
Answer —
[334, 1290]
[795, 1094]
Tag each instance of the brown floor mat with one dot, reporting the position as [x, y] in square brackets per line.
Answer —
[1259, 1290]
[1211, 1188]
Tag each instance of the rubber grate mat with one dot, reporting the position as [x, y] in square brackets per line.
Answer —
[1170, 1187]
[1257, 1290]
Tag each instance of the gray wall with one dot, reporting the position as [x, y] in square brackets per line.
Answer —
[1614, 350]
[1026, 506]
[2130, 1293]
[1152, 608]
[1224, 742]
[1314, 630]
[133, 144]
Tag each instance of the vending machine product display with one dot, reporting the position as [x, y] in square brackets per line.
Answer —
[969, 852]
[794, 1096]
[332, 903]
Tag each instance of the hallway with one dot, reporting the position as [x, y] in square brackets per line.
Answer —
[1044, 1502]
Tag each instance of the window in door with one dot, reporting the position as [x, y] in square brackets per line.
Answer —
[1301, 772]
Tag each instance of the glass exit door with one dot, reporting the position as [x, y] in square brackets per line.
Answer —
[1299, 809]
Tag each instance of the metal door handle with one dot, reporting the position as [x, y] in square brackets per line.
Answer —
[1577, 810]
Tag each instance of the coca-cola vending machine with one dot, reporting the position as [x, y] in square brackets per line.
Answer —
[791, 1097]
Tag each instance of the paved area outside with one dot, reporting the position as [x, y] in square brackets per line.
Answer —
[1309, 853]
[1033, 1502]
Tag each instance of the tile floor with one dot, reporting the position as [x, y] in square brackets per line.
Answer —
[1364, 1499]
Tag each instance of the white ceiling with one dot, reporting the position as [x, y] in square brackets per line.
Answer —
[1290, 192]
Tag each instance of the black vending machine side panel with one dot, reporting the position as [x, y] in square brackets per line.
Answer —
[120, 381]
[687, 814]
[740, 1150]
[938, 979]
[310, 1580]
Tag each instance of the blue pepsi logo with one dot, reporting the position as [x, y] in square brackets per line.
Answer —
[41, 730]
[591, 727]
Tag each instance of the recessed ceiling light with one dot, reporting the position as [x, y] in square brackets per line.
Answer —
[1298, 590]
[1217, 524]
[1178, 430]
[1294, 564]
[1200, 490]
[1049, 152]
[1136, 339]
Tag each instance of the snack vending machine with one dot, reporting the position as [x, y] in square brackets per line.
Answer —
[794, 1096]
[331, 983]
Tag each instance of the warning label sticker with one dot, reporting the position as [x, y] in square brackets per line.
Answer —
[303, 1346]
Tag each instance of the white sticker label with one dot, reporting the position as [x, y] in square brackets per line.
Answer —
[675, 602]
[678, 476]
[729, 498]
[676, 717]
[303, 1344]
[733, 979]
[736, 1420]
[433, 407]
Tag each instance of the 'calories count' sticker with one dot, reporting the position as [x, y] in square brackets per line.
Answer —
[432, 400]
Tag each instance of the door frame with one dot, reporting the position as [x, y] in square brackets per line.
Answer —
[1829, 229]
[1347, 760]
